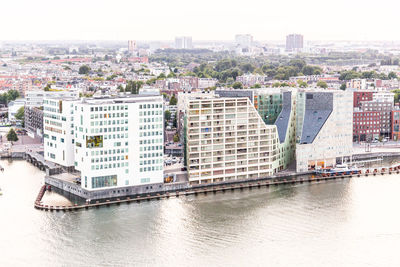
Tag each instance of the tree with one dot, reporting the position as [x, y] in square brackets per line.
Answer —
[161, 76]
[47, 88]
[20, 113]
[302, 84]
[173, 101]
[392, 75]
[176, 138]
[396, 95]
[11, 95]
[322, 84]
[343, 86]
[349, 75]
[12, 136]
[133, 87]
[257, 85]
[167, 115]
[175, 121]
[237, 85]
[277, 84]
[84, 69]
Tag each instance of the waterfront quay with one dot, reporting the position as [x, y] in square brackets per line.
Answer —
[187, 190]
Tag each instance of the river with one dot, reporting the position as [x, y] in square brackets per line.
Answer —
[351, 222]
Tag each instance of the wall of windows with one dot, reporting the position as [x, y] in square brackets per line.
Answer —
[104, 181]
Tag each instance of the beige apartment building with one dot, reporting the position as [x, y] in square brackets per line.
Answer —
[227, 140]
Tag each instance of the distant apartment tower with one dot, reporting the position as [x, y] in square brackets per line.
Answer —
[131, 46]
[183, 42]
[112, 141]
[244, 40]
[294, 42]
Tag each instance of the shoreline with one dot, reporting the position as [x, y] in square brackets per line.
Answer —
[210, 188]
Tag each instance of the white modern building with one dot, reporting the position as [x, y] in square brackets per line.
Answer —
[324, 128]
[58, 130]
[13, 108]
[116, 141]
[228, 140]
[35, 98]
[383, 97]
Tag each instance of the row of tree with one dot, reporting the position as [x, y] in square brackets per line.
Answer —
[226, 70]
[132, 87]
[353, 74]
[10, 95]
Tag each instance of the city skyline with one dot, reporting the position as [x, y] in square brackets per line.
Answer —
[156, 20]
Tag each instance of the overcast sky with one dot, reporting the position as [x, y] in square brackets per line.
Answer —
[204, 20]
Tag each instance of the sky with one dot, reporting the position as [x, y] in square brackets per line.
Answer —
[364, 20]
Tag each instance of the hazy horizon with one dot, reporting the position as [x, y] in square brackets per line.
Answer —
[120, 20]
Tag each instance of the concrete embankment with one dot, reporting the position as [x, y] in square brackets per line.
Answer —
[215, 188]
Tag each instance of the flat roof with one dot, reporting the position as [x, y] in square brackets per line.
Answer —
[111, 99]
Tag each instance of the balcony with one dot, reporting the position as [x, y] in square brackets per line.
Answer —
[229, 146]
[193, 131]
[193, 155]
[194, 149]
[193, 112]
[244, 156]
[218, 153]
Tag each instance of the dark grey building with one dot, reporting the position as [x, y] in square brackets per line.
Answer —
[34, 120]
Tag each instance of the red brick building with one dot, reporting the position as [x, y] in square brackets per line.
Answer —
[396, 124]
[361, 96]
[366, 125]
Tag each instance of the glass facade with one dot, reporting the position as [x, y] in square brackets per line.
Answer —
[268, 106]
[104, 181]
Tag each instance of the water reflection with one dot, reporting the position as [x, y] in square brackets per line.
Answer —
[337, 223]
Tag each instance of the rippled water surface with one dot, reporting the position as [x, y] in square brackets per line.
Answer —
[339, 223]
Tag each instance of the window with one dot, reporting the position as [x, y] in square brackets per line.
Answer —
[94, 141]
[104, 181]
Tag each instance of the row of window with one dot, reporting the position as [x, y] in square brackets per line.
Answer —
[109, 130]
[150, 148]
[109, 166]
[153, 133]
[115, 158]
[148, 126]
[150, 113]
[109, 152]
[107, 108]
[150, 155]
[150, 141]
[151, 169]
[146, 106]
[108, 115]
[149, 162]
